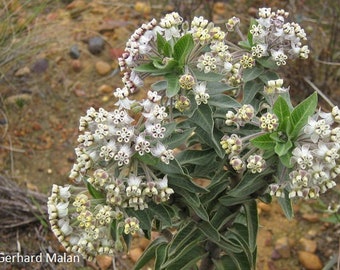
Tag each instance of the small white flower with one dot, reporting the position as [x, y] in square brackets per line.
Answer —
[64, 225]
[161, 152]
[279, 57]
[123, 155]
[200, 93]
[62, 209]
[336, 114]
[142, 146]
[302, 156]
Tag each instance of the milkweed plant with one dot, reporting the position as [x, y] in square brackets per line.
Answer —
[212, 111]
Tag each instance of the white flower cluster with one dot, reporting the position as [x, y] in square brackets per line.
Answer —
[274, 37]
[109, 161]
[80, 226]
[316, 158]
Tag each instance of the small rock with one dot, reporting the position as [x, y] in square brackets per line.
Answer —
[143, 243]
[308, 245]
[96, 45]
[252, 11]
[105, 89]
[311, 217]
[19, 99]
[142, 7]
[76, 65]
[264, 206]
[309, 260]
[282, 247]
[74, 52]
[104, 261]
[275, 255]
[102, 68]
[219, 8]
[40, 66]
[22, 72]
[135, 253]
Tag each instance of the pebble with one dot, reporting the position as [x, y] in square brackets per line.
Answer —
[102, 68]
[282, 247]
[264, 206]
[22, 72]
[135, 253]
[309, 260]
[74, 52]
[76, 65]
[143, 243]
[96, 45]
[142, 7]
[18, 99]
[40, 66]
[104, 261]
[105, 89]
[311, 217]
[307, 245]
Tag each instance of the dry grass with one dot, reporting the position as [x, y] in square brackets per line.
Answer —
[20, 206]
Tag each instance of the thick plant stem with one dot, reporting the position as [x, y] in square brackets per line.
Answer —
[214, 253]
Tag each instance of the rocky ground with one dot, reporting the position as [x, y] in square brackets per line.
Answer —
[58, 58]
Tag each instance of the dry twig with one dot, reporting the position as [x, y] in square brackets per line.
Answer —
[20, 206]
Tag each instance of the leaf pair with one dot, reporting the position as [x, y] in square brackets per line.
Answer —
[291, 123]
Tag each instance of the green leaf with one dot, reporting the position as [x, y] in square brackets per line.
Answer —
[94, 192]
[150, 68]
[197, 157]
[185, 182]
[149, 253]
[203, 118]
[198, 209]
[172, 85]
[191, 198]
[211, 139]
[227, 200]
[217, 87]
[184, 235]
[209, 231]
[282, 149]
[215, 189]
[161, 213]
[251, 88]
[160, 256]
[208, 77]
[127, 239]
[250, 74]
[300, 114]
[282, 111]
[165, 67]
[285, 159]
[173, 168]
[159, 86]
[176, 138]
[182, 48]
[235, 261]
[244, 44]
[249, 184]
[286, 205]
[263, 142]
[224, 102]
[268, 76]
[239, 234]
[267, 62]
[148, 159]
[252, 223]
[143, 216]
[186, 257]
[163, 46]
